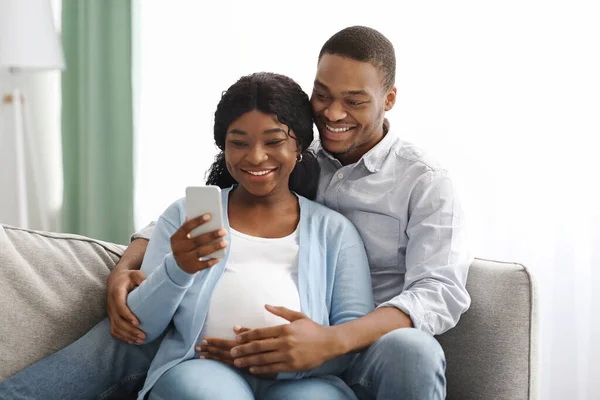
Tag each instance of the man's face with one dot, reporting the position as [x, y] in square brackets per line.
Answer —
[349, 103]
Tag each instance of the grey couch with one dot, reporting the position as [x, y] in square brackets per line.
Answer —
[52, 290]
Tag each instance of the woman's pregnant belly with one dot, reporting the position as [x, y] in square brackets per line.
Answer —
[240, 297]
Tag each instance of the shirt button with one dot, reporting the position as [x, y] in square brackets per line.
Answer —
[340, 175]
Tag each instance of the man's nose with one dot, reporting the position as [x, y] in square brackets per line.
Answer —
[335, 112]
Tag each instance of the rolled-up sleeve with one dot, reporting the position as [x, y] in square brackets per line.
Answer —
[144, 233]
[438, 256]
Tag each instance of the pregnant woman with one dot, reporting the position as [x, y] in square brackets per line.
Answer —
[280, 248]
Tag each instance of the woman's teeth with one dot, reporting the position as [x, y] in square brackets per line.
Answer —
[258, 173]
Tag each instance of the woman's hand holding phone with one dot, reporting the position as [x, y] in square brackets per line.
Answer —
[191, 252]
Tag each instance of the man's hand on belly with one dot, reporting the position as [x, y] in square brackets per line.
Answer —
[217, 349]
[298, 346]
[220, 350]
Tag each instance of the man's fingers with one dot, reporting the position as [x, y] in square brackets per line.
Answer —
[122, 321]
[257, 347]
[122, 309]
[285, 313]
[260, 334]
[271, 369]
[125, 329]
[118, 331]
[137, 278]
[240, 329]
[215, 352]
[118, 326]
[220, 343]
[261, 359]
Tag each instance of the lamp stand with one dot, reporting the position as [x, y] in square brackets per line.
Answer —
[16, 100]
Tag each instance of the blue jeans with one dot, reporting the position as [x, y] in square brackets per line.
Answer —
[211, 380]
[96, 366]
[405, 364]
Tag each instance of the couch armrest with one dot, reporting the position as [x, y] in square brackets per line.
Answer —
[492, 353]
[52, 291]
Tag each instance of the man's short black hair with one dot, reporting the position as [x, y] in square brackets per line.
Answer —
[365, 44]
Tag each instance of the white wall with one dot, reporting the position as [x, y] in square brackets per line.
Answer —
[44, 159]
[41, 91]
[505, 94]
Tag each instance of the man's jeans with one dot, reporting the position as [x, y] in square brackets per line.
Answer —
[404, 364]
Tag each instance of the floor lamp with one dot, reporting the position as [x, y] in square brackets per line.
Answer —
[28, 42]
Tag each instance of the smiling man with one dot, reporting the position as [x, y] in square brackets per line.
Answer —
[404, 206]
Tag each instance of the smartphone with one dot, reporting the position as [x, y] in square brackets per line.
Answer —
[202, 200]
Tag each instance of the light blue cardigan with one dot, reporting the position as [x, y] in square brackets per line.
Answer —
[334, 284]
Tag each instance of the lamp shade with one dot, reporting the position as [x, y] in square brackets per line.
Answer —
[28, 39]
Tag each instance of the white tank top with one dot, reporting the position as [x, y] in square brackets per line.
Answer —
[259, 271]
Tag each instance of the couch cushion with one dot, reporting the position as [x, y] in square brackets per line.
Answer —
[52, 291]
[492, 352]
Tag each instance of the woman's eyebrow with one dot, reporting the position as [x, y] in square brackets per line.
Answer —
[274, 130]
[268, 131]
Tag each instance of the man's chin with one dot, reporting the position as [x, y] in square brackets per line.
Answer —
[334, 146]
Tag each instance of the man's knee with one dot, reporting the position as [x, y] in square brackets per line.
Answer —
[409, 346]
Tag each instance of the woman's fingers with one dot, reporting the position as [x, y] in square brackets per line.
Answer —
[208, 249]
[191, 253]
[182, 241]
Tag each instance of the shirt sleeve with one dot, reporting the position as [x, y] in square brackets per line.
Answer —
[156, 300]
[145, 233]
[438, 257]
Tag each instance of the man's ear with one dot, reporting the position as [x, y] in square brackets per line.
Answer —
[390, 98]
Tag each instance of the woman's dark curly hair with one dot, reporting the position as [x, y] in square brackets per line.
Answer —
[275, 94]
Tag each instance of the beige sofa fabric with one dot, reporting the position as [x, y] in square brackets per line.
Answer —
[52, 291]
[492, 352]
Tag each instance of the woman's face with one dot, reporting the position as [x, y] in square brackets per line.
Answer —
[259, 153]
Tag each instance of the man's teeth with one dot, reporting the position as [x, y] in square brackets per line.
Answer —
[258, 173]
[337, 130]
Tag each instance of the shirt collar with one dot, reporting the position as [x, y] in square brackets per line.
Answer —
[374, 158]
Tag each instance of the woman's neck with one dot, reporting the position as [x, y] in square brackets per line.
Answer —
[248, 213]
[277, 199]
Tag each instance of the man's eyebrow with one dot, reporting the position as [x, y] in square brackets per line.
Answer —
[321, 85]
[355, 93]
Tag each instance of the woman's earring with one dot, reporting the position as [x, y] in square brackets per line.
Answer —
[299, 158]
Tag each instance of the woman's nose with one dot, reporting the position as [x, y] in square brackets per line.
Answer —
[256, 155]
